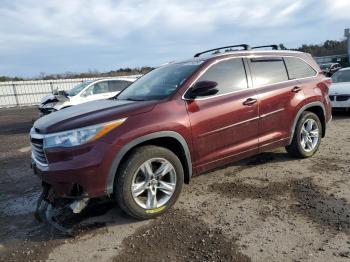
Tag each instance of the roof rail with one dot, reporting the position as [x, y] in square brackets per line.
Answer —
[274, 47]
[245, 47]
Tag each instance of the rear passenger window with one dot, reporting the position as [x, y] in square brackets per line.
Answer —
[229, 74]
[268, 71]
[297, 68]
[117, 85]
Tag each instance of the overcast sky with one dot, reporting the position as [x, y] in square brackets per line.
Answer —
[56, 36]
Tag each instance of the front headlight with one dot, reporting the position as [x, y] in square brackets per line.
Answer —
[80, 136]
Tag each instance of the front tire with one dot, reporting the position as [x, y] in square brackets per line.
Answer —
[307, 136]
[149, 182]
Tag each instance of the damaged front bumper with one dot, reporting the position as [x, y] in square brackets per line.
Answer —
[54, 210]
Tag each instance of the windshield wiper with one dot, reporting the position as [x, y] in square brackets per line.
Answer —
[134, 99]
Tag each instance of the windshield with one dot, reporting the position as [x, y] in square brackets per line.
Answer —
[76, 89]
[159, 83]
[341, 76]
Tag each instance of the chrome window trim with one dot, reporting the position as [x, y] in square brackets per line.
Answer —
[249, 88]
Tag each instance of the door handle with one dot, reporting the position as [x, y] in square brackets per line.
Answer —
[250, 101]
[296, 89]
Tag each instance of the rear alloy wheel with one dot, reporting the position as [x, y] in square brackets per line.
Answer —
[307, 136]
[149, 182]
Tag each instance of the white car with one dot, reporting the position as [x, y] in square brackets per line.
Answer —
[84, 92]
[339, 92]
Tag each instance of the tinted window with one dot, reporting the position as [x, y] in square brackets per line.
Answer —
[230, 76]
[117, 85]
[268, 71]
[297, 68]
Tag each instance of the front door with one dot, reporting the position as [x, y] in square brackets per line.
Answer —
[224, 125]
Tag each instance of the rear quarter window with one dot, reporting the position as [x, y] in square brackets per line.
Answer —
[297, 68]
[268, 71]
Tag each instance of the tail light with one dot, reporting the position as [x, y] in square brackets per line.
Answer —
[328, 81]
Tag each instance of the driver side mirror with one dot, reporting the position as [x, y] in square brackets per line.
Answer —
[203, 88]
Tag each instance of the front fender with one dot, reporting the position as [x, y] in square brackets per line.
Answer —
[126, 148]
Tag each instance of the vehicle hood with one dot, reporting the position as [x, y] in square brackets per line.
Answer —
[340, 88]
[90, 113]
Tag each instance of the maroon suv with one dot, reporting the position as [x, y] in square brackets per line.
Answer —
[178, 121]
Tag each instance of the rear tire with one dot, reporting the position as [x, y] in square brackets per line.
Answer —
[149, 182]
[307, 136]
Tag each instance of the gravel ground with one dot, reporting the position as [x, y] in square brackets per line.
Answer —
[266, 208]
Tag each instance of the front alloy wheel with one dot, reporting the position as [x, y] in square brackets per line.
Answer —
[149, 181]
[154, 183]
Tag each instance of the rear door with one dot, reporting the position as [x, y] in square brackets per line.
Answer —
[225, 125]
[275, 93]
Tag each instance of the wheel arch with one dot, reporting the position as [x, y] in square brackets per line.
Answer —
[314, 107]
[168, 139]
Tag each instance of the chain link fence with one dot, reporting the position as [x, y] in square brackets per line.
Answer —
[25, 93]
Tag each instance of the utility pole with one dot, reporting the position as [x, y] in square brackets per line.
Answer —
[347, 35]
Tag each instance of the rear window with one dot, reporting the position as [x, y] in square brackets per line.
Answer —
[268, 71]
[297, 68]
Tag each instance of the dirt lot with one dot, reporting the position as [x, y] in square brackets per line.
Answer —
[266, 208]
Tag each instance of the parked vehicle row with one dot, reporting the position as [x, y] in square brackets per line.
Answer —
[339, 92]
[83, 92]
[178, 121]
[330, 68]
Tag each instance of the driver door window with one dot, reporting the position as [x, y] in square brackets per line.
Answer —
[230, 76]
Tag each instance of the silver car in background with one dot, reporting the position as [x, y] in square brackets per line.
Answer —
[339, 92]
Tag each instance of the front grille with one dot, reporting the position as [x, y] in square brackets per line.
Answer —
[331, 98]
[343, 98]
[38, 150]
